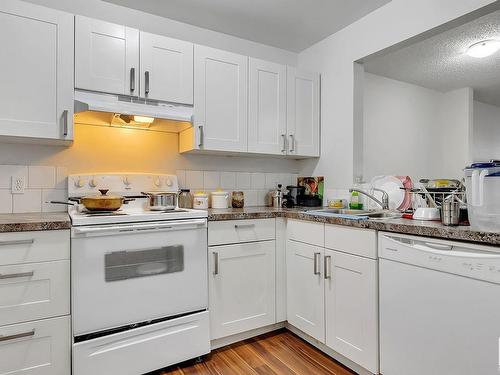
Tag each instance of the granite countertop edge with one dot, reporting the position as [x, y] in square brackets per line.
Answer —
[34, 222]
[404, 226]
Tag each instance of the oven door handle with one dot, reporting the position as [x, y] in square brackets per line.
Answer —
[164, 225]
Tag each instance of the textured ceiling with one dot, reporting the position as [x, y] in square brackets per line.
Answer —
[440, 62]
[289, 24]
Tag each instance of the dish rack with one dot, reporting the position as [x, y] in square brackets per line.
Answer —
[421, 198]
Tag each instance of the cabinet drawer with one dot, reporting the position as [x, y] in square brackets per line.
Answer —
[29, 247]
[237, 231]
[144, 349]
[357, 241]
[34, 291]
[306, 231]
[36, 348]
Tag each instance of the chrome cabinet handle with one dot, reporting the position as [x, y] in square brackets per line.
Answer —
[283, 149]
[17, 242]
[216, 263]
[239, 226]
[316, 263]
[132, 79]
[16, 275]
[17, 335]
[146, 82]
[201, 134]
[292, 143]
[328, 267]
[65, 122]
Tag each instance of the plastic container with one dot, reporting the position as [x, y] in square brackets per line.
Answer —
[220, 199]
[482, 184]
[200, 201]
[185, 199]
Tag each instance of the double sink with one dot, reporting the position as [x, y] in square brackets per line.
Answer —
[371, 214]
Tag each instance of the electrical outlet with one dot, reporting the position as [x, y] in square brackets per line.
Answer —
[17, 186]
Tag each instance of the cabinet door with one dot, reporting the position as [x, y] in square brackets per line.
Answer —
[166, 69]
[303, 112]
[36, 71]
[107, 57]
[267, 107]
[220, 100]
[305, 288]
[242, 287]
[352, 308]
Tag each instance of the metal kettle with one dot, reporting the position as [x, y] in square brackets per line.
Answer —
[277, 197]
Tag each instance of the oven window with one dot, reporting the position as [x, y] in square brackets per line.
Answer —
[122, 265]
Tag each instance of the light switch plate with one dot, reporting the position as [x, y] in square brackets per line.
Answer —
[17, 185]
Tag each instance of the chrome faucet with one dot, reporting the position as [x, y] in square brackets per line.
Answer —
[385, 197]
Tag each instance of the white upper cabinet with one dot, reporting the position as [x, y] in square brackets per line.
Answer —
[220, 100]
[267, 108]
[36, 71]
[166, 69]
[303, 93]
[106, 57]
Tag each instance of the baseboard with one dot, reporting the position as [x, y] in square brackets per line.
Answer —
[219, 343]
[325, 349]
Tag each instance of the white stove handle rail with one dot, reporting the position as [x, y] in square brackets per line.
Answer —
[128, 228]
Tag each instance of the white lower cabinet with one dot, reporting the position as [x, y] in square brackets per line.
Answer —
[242, 287]
[41, 347]
[351, 307]
[305, 288]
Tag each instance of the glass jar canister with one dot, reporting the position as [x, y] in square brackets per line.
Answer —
[238, 199]
[185, 199]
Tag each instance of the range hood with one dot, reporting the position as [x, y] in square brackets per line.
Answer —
[127, 105]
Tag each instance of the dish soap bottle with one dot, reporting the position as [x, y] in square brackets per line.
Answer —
[355, 203]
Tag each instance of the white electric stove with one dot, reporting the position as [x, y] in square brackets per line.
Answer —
[138, 279]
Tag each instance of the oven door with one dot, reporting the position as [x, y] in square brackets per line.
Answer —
[130, 273]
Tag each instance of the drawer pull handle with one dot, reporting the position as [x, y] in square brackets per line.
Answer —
[17, 242]
[316, 263]
[216, 263]
[239, 226]
[16, 275]
[17, 335]
[328, 267]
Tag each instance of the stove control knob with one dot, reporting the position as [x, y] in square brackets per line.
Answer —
[79, 182]
[157, 181]
[168, 181]
[126, 181]
[92, 182]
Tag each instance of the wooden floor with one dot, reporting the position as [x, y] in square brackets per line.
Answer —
[279, 352]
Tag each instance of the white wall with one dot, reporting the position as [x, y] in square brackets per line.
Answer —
[486, 132]
[401, 129]
[334, 57]
[415, 131]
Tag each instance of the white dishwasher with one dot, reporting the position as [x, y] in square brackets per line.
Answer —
[439, 307]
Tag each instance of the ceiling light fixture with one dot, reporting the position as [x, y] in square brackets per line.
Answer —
[144, 119]
[483, 48]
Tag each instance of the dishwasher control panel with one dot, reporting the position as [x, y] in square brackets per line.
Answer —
[474, 261]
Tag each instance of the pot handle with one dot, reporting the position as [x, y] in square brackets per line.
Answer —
[103, 191]
[61, 202]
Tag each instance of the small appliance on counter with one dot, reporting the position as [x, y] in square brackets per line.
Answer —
[294, 192]
[313, 194]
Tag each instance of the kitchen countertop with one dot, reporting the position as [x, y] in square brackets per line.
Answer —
[34, 221]
[398, 225]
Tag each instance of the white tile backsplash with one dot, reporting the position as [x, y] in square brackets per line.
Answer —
[211, 180]
[5, 201]
[9, 171]
[228, 180]
[62, 178]
[41, 177]
[194, 179]
[54, 195]
[258, 181]
[30, 201]
[243, 180]
[181, 178]
[271, 180]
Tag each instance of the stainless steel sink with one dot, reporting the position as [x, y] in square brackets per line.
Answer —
[372, 214]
